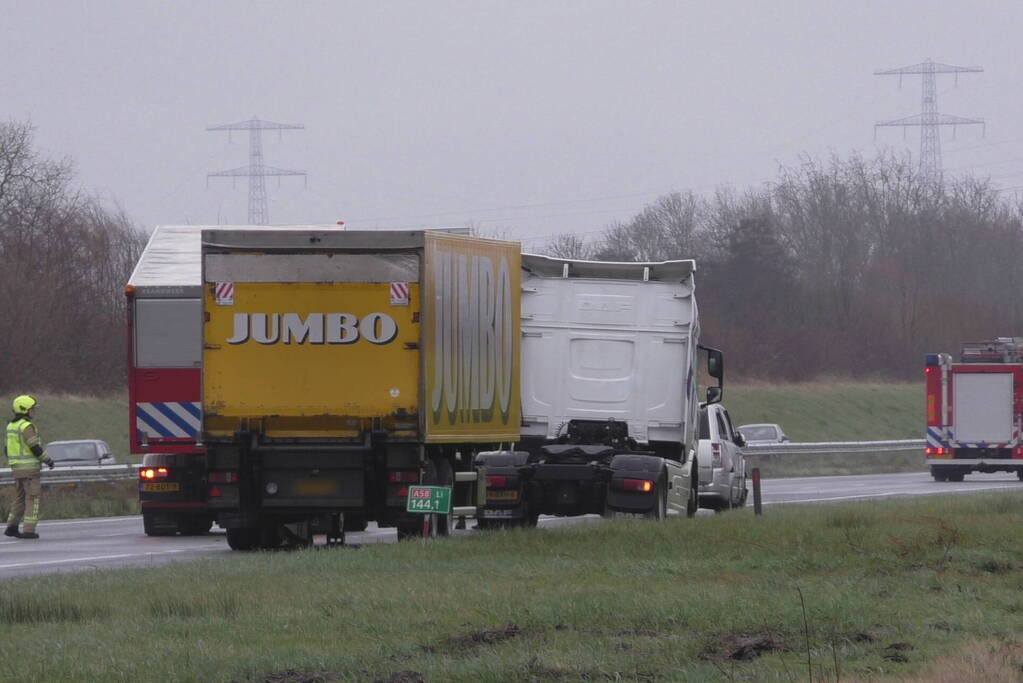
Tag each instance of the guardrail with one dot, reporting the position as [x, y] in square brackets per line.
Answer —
[835, 447]
[79, 474]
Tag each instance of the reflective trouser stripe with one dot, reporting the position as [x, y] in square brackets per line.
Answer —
[27, 493]
[32, 518]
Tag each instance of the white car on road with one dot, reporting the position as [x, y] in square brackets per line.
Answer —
[762, 434]
[722, 465]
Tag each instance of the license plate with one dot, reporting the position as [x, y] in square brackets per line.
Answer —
[160, 486]
[502, 495]
[316, 487]
[491, 514]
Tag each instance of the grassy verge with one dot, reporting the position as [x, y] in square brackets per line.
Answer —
[71, 501]
[908, 587]
[832, 411]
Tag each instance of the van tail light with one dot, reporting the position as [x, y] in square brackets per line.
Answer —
[715, 455]
[150, 473]
[397, 477]
[496, 481]
[222, 477]
[640, 485]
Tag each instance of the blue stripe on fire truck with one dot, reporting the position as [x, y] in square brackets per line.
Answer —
[935, 437]
[168, 420]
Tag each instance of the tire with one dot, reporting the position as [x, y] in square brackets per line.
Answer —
[440, 473]
[939, 474]
[1019, 474]
[245, 538]
[152, 528]
[693, 503]
[407, 532]
[355, 522]
[660, 511]
[956, 476]
[195, 526]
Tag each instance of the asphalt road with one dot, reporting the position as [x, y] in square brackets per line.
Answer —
[108, 542]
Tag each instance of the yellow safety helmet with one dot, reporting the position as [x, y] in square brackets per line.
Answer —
[24, 403]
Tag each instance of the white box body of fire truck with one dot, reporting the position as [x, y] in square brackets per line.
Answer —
[975, 410]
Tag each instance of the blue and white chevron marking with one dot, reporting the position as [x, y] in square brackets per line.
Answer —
[168, 420]
[935, 437]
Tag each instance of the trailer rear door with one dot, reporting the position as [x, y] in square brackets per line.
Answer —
[982, 407]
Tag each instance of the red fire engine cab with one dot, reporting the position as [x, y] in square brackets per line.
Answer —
[164, 379]
[975, 409]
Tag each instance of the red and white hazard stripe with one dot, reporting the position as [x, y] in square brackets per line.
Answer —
[399, 294]
[223, 293]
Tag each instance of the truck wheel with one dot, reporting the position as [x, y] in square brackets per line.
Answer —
[660, 511]
[694, 497]
[152, 527]
[939, 474]
[242, 539]
[355, 522]
[409, 531]
[195, 526]
[1019, 474]
[439, 473]
[956, 476]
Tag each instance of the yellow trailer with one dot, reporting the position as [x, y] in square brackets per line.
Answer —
[339, 367]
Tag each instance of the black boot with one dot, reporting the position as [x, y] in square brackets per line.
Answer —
[28, 534]
[12, 531]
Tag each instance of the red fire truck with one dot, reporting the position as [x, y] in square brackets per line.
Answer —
[164, 355]
[975, 409]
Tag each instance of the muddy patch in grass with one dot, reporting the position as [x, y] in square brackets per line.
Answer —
[490, 636]
[407, 676]
[896, 652]
[742, 647]
[298, 676]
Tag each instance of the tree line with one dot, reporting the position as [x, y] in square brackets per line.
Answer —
[65, 260]
[844, 267]
[840, 267]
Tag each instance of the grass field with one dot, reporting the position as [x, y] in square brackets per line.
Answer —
[927, 589]
[832, 411]
[816, 411]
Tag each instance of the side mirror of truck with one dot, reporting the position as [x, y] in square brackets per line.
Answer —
[713, 395]
[715, 363]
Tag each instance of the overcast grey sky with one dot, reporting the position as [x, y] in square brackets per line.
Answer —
[528, 118]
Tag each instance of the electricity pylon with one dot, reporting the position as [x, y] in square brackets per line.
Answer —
[929, 119]
[256, 171]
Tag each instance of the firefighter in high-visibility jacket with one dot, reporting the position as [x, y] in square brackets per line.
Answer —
[25, 457]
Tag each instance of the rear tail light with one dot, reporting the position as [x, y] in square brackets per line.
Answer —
[149, 473]
[496, 481]
[402, 492]
[215, 492]
[935, 450]
[223, 477]
[641, 485]
[715, 455]
[403, 477]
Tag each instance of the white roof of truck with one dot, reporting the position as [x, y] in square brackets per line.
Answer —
[172, 259]
[663, 271]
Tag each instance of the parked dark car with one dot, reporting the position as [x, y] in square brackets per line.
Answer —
[83, 452]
